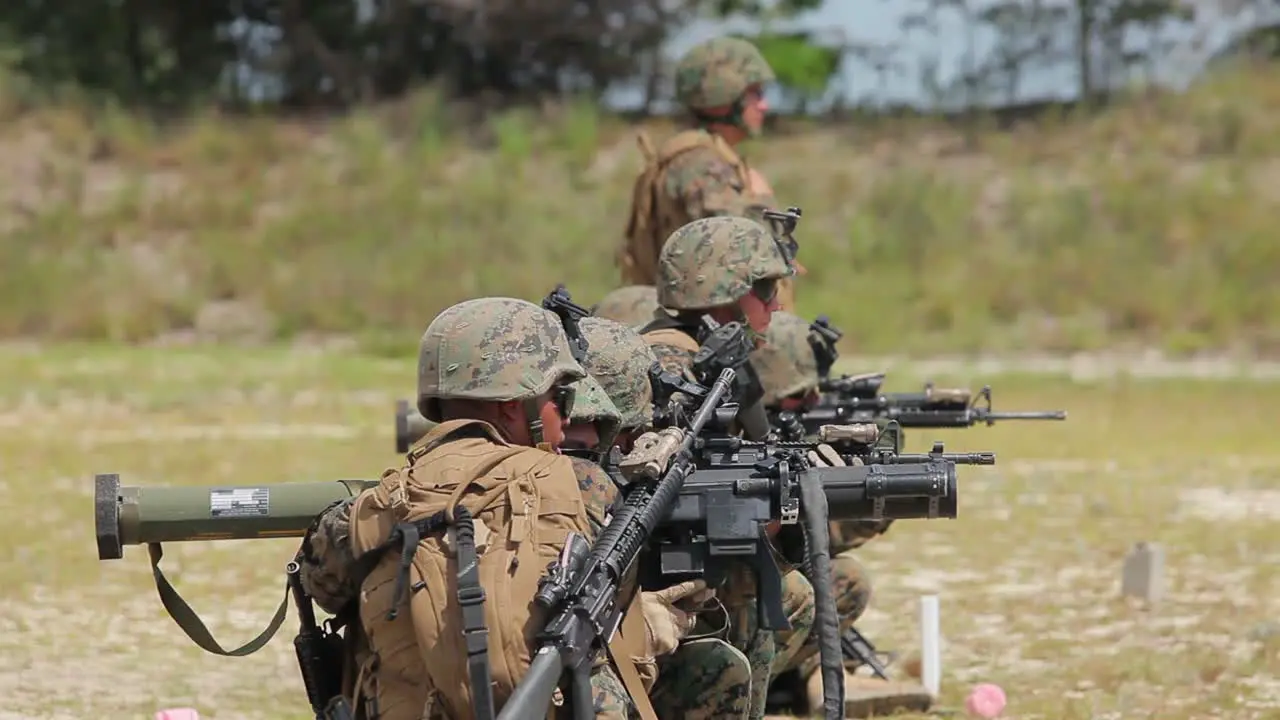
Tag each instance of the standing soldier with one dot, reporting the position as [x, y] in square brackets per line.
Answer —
[697, 173]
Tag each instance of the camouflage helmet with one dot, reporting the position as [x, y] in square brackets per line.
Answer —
[712, 262]
[494, 350]
[632, 305]
[591, 404]
[786, 363]
[620, 360]
[717, 72]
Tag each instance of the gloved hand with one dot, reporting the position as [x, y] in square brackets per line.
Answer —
[825, 456]
[670, 613]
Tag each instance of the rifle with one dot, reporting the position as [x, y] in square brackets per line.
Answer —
[561, 303]
[858, 648]
[319, 653]
[730, 346]
[932, 408]
[583, 597]
[710, 506]
[783, 224]
[858, 398]
[873, 444]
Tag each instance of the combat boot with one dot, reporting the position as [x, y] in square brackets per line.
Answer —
[871, 696]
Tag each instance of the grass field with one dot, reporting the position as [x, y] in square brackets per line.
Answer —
[1151, 224]
[1028, 575]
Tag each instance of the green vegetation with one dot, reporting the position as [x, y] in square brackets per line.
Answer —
[1028, 574]
[1149, 224]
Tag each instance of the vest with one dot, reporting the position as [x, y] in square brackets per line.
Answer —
[654, 213]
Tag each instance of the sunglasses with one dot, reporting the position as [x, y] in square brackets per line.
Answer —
[563, 396]
[765, 290]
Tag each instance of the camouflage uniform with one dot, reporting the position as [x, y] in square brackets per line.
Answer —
[507, 350]
[712, 263]
[632, 305]
[697, 174]
[787, 366]
[707, 678]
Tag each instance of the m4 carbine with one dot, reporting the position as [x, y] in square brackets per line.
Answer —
[856, 399]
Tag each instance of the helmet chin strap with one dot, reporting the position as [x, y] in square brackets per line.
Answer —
[533, 418]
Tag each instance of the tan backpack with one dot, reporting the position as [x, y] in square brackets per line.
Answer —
[485, 519]
[654, 214]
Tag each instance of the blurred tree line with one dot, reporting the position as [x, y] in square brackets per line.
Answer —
[339, 53]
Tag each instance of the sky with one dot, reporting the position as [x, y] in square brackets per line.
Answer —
[878, 21]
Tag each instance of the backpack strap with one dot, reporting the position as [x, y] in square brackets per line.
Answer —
[643, 238]
[470, 594]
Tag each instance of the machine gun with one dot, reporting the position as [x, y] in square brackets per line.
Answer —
[695, 501]
[739, 485]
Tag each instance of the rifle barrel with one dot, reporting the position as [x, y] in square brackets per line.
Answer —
[973, 458]
[1033, 415]
[901, 492]
[532, 695]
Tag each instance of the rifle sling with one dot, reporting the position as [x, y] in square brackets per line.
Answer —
[194, 627]
[632, 682]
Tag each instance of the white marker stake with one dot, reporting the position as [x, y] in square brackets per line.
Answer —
[930, 645]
